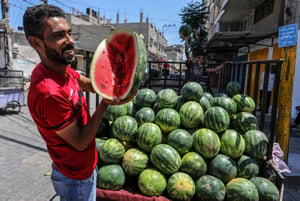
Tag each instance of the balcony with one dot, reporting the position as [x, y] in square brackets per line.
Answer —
[239, 23]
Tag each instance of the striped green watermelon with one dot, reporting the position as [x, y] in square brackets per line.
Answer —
[179, 103]
[247, 167]
[124, 128]
[244, 121]
[204, 102]
[191, 114]
[181, 186]
[166, 98]
[225, 102]
[152, 182]
[112, 112]
[232, 143]
[167, 119]
[148, 136]
[165, 158]
[145, 98]
[217, 119]
[241, 189]
[191, 91]
[244, 103]
[145, 115]
[208, 95]
[134, 161]
[110, 177]
[193, 164]
[118, 65]
[181, 140]
[223, 167]
[233, 88]
[185, 30]
[267, 191]
[210, 188]
[256, 144]
[112, 151]
[206, 142]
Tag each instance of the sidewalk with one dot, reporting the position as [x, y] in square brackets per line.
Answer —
[26, 166]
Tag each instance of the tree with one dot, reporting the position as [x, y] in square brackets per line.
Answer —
[196, 14]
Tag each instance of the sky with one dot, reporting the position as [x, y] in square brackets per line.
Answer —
[163, 14]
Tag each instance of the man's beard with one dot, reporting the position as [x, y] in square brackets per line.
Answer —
[53, 55]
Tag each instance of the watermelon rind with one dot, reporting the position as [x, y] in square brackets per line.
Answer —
[138, 70]
[181, 186]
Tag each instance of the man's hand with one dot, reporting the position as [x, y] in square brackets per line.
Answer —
[118, 101]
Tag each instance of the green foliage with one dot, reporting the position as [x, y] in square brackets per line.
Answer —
[196, 14]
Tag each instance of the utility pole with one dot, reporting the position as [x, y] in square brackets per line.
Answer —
[5, 29]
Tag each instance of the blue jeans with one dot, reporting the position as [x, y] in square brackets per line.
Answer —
[73, 189]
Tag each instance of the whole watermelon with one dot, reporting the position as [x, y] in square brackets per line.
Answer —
[166, 98]
[225, 102]
[210, 188]
[193, 164]
[241, 189]
[148, 136]
[191, 114]
[151, 182]
[124, 128]
[167, 119]
[191, 91]
[256, 144]
[267, 191]
[208, 95]
[112, 112]
[244, 121]
[232, 143]
[134, 161]
[145, 115]
[110, 177]
[247, 167]
[217, 119]
[112, 151]
[145, 98]
[180, 186]
[181, 140]
[244, 103]
[233, 88]
[206, 142]
[165, 158]
[204, 102]
[223, 167]
[186, 30]
[118, 65]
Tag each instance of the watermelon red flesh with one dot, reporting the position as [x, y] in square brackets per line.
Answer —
[118, 65]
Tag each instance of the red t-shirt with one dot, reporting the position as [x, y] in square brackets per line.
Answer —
[54, 102]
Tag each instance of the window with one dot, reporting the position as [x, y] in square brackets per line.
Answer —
[263, 10]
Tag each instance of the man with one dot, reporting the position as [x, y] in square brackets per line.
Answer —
[195, 67]
[58, 107]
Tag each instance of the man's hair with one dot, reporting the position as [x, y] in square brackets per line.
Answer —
[34, 19]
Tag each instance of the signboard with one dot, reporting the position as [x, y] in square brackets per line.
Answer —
[288, 35]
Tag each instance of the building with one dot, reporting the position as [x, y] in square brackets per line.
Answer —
[247, 30]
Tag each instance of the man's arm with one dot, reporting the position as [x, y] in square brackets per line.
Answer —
[186, 48]
[85, 83]
[211, 70]
[81, 138]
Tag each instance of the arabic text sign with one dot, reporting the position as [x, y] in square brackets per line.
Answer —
[288, 35]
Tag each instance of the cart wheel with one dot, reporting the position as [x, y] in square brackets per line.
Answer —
[13, 107]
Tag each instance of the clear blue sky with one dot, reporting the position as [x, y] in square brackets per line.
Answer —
[161, 13]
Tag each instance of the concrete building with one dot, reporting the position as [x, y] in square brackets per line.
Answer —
[248, 30]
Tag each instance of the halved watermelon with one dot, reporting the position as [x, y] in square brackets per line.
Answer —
[118, 65]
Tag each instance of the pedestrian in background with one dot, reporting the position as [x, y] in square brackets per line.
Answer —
[58, 107]
[195, 65]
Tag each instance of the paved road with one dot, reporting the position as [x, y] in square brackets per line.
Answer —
[26, 166]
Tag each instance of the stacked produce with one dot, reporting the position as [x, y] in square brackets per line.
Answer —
[192, 146]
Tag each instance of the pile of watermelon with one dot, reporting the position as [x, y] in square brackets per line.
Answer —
[193, 146]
